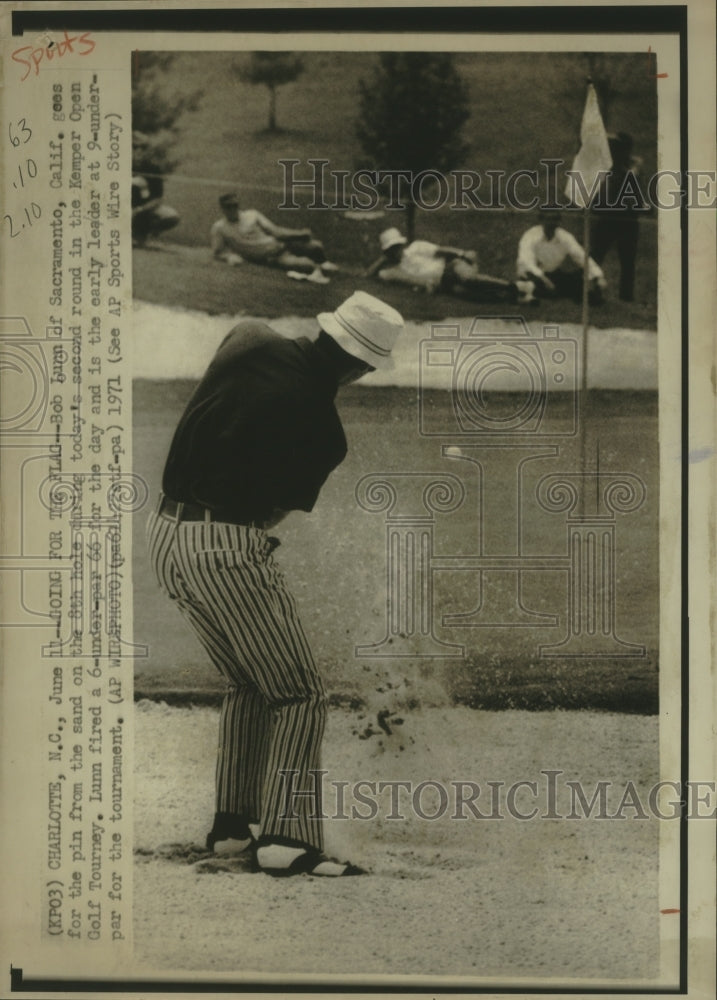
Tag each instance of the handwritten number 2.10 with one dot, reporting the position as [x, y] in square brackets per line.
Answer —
[31, 214]
[17, 129]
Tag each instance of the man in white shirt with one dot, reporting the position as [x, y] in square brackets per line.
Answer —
[249, 235]
[433, 268]
[551, 257]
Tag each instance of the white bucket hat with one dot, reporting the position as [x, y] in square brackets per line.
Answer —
[389, 238]
[364, 327]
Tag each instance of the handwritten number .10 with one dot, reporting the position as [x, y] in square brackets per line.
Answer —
[29, 172]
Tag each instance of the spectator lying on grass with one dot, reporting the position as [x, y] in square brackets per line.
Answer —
[432, 268]
[249, 235]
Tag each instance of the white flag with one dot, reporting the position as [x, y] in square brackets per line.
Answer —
[593, 159]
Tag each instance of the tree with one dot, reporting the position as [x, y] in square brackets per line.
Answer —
[157, 106]
[272, 69]
[411, 113]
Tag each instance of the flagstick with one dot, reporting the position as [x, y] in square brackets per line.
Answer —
[583, 408]
[593, 156]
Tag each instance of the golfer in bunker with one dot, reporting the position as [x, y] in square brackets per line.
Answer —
[258, 439]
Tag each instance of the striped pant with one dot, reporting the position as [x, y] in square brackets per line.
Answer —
[224, 580]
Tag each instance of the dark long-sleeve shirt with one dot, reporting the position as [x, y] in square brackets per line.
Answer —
[261, 431]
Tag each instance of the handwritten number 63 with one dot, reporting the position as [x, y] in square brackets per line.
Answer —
[23, 128]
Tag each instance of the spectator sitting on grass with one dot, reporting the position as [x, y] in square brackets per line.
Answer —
[150, 216]
[553, 259]
[249, 235]
[432, 268]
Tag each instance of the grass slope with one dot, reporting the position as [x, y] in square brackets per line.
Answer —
[188, 278]
[525, 107]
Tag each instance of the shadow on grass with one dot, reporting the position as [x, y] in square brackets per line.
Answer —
[627, 686]
[610, 685]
